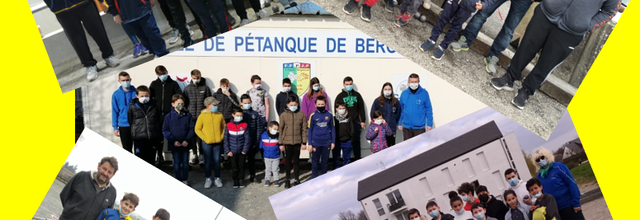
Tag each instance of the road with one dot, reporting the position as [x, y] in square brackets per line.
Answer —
[465, 70]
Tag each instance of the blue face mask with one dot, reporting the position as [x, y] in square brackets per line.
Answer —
[479, 216]
[237, 119]
[465, 198]
[513, 181]
[126, 84]
[543, 163]
[293, 108]
[214, 109]
[460, 212]
[163, 77]
[341, 111]
[246, 106]
[348, 88]
[537, 196]
[120, 210]
[434, 213]
[316, 88]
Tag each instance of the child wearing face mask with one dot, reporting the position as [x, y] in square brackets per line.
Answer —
[161, 90]
[466, 190]
[237, 141]
[269, 145]
[458, 207]
[210, 128]
[255, 128]
[479, 212]
[309, 98]
[378, 132]
[517, 210]
[281, 98]
[495, 208]
[144, 117]
[178, 129]
[322, 137]
[292, 139]
[344, 131]
[228, 99]
[434, 211]
[389, 105]
[259, 96]
[545, 207]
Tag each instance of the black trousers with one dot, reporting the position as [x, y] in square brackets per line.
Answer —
[237, 166]
[391, 139]
[555, 43]
[241, 9]
[409, 133]
[569, 214]
[85, 17]
[251, 159]
[125, 138]
[173, 11]
[355, 142]
[292, 158]
[146, 150]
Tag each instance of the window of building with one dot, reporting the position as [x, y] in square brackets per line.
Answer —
[379, 206]
[395, 200]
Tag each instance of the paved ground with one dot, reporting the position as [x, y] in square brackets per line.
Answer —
[51, 207]
[465, 70]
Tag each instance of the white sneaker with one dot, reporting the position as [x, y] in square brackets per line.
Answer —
[426, 4]
[175, 36]
[218, 182]
[244, 22]
[263, 14]
[92, 73]
[207, 183]
[185, 182]
[190, 31]
[112, 61]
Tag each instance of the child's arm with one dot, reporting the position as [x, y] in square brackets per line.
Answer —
[261, 145]
[227, 148]
[115, 112]
[398, 112]
[361, 112]
[166, 130]
[569, 181]
[401, 119]
[333, 131]
[281, 129]
[247, 142]
[198, 128]
[371, 133]
[305, 137]
[310, 130]
[103, 215]
[191, 134]
[186, 100]
[279, 103]
[223, 126]
[130, 114]
[328, 102]
[261, 128]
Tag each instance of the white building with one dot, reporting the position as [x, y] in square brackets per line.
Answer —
[480, 156]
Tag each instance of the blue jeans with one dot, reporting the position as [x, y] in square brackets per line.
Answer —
[130, 34]
[149, 35]
[211, 157]
[453, 13]
[517, 10]
[181, 164]
[319, 160]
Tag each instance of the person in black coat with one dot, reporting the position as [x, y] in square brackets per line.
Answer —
[161, 91]
[144, 118]
[281, 98]
[89, 192]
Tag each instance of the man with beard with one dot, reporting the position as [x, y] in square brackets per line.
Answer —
[89, 192]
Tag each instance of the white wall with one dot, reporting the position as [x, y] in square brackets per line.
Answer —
[369, 74]
[416, 193]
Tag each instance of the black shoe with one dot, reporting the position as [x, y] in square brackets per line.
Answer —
[505, 82]
[287, 184]
[187, 41]
[365, 13]
[388, 6]
[296, 182]
[521, 98]
[230, 19]
[350, 7]
[252, 179]
[236, 184]
[241, 184]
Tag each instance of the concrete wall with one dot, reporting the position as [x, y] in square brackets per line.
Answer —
[486, 165]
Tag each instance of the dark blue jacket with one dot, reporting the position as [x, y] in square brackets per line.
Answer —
[60, 6]
[270, 146]
[390, 112]
[236, 138]
[321, 131]
[178, 127]
[416, 109]
[129, 10]
[120, 101]
[561, 185]
[255, 125]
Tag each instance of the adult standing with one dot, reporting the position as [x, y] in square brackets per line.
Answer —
[76, 16]
[161, 90]
[389, 105]
[88, 193]
[120, 101]
[309, 99]
[355, 106]
[417, 115]
[517, 10]
[557, 180]
[557, 27]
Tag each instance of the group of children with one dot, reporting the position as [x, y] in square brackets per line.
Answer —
[128, 205]
[163, 115]
[524, 201]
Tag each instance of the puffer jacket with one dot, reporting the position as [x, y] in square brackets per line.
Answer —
[293, 128]
[144, 120]
[194, 95]
[579, 17]
[62, 6]
[210, 127]
[227, 103]
[129, 10]
[255, 125]
[378, 139]
[178, 127]
[236, 138]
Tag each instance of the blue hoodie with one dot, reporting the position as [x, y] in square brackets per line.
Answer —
[129, 10]
[120, 101]
[111, 214]
[178, 127]
[416, 109]
[270, 146]
[561, 185]
[321, 131]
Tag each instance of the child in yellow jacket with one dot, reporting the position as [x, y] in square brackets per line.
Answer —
[210, 128]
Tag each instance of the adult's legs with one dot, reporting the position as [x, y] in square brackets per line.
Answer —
[478, 20]
[517, 10]
[167, 12]
[152, 33]
[126, 139]
[569, 214]
[72, 26]
[218, 9]
[406, 134]
[202, 11]
[391, 139]
[241, 10]
[95, 28]
[179, 17]
[445, 17]
[456, 25]
[534, 39]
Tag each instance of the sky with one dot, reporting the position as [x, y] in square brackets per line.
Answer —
[337, 191]
[136, 176]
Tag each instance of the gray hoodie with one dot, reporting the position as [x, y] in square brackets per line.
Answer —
[579, 16]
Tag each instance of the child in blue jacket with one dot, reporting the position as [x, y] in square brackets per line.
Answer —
[120, 101]
[136, 15]
[378, 132]
[179, 130]
[236, 145]
[269, 144]
[128, 204]
[321, 135]
[256, 126]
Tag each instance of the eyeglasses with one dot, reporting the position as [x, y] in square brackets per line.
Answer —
[540, 158]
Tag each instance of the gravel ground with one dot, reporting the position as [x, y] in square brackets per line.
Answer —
[465, 70]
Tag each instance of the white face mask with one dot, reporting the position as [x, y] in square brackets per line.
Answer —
[286, 89]
[414, 86]
[273, 132]
[143, 100]
[195, 81]
[257, 86]
[378, 121]
[225, 89]
[386, 93]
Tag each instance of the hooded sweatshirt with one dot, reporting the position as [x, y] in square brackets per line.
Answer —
[344, 127]
[355, 104]
[178, 127]
[579, 17]
[321, 129]
[390, 112]
[496, 208]
[120, 101]
[308, 106]
[416, 109]
[194, 95]
[560, 183]
[521, 191]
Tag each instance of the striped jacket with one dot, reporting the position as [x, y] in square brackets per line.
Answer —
[236, 138]
[270, 146]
